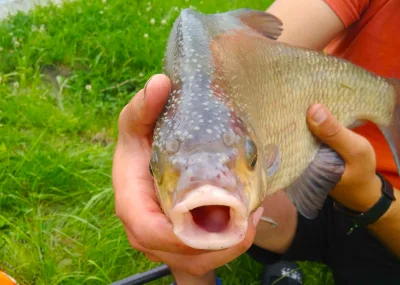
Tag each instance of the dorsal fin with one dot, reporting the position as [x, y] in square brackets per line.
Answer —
[264, 23]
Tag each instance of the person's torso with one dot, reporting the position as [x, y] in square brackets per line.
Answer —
[373, 43]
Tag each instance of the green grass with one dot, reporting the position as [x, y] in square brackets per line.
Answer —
[65, 73]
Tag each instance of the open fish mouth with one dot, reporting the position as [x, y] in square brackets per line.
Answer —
[210, 218]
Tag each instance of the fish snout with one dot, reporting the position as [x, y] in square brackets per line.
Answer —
[201, 169]
[208, 212]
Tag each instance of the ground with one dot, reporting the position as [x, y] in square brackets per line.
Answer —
[65, 73]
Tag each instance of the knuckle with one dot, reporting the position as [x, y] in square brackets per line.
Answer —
[363, 148]
[142, 239]
[133, 243]
[136, 237]
[152, 258]
[119, 213]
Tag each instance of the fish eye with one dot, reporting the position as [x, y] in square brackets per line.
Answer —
[253, 162]
[151, 170]
[251, 153]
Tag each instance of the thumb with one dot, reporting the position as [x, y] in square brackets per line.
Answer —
[140, 115]
[330, 131]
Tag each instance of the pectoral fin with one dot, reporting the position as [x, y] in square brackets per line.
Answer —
[272, 158]
[310, 190]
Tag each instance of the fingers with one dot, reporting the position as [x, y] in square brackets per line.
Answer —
[327, 128]
[140, 114]
[147, 223]
[204, 262]
[199, 261]
[152, 258]
[359, 185]
[134, 244]
[135, 199]
[152, 231]
[137, 207]
[136, 204]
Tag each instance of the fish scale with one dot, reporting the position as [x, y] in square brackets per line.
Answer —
[291, 99]
[234, 127]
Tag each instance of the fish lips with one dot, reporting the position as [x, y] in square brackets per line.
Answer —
[193, 234]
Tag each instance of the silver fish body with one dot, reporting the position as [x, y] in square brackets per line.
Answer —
[234, 130]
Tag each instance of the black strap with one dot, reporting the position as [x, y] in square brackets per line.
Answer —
[375, 212]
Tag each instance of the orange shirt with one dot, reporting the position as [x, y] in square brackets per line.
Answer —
[6, 280]
[371, 40]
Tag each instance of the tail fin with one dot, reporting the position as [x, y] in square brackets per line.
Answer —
[392, 132]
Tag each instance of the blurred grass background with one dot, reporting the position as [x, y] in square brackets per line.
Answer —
[65, 73]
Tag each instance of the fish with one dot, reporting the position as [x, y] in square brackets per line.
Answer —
[233, 130]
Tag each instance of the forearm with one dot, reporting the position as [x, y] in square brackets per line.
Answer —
[387, 228]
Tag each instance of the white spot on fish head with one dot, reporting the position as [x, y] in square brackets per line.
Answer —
[229, 138]
[172, 145]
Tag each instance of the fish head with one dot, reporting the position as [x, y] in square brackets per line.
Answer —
[205, 166]
[206, 153]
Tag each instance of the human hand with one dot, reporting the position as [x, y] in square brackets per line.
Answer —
[147, 227]
[360, 187]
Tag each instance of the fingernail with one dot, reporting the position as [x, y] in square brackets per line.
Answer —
[257, 215]
[319, 115]
[145, 87]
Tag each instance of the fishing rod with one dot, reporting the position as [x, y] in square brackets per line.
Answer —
[145, 277]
